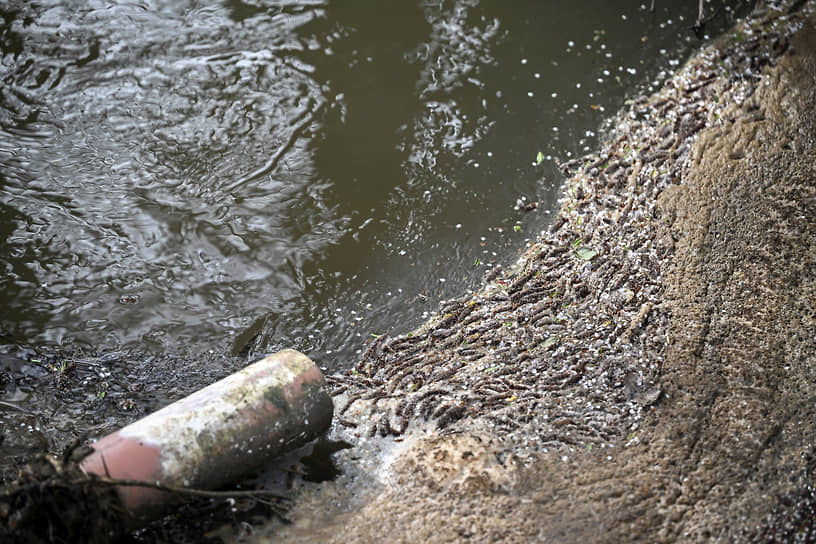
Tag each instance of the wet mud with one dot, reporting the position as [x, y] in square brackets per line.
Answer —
[644, 372]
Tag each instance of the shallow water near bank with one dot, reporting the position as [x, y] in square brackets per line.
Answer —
[248, 177]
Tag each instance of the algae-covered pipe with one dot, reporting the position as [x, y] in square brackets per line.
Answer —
[217, 434]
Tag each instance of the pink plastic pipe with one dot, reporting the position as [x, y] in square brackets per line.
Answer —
[217, 434]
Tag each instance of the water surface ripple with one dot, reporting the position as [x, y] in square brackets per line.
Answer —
[250, 176]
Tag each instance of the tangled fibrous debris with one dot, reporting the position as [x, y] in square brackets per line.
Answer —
[564, 349]
[53, 500]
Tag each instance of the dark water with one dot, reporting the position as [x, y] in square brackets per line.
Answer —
[249, 176]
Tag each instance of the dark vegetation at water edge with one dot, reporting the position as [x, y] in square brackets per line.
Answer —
[53, 500]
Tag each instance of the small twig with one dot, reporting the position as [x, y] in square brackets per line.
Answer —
[252, 494]
[11, 406]
[702, 21]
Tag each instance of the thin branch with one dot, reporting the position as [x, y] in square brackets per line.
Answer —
[253, 493]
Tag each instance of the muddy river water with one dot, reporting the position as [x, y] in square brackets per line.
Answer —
[250, 176]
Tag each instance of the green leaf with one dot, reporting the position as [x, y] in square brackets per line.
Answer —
[585, 254]
[549, 342]
[539, 157]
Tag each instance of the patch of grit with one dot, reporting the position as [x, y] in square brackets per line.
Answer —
[661, 388]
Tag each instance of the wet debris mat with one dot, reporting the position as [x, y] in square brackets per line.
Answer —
[54, 501]
[563, 350]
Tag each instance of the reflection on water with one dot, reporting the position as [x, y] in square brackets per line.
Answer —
[272, 174]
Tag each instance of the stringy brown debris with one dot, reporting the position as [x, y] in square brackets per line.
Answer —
[564, 349]
[53, 500]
